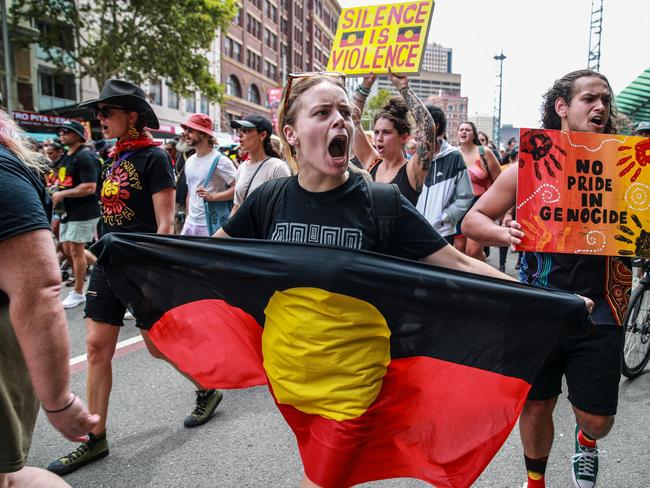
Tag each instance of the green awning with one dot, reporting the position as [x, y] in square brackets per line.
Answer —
[634, 100]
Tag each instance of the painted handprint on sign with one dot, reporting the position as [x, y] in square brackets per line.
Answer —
[641, 157]
[641, 243]
[537, 231]
[536, 144]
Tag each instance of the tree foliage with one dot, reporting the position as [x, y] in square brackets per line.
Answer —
[138, 40]
[379, 100]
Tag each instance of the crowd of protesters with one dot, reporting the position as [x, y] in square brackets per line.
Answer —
[455, 201]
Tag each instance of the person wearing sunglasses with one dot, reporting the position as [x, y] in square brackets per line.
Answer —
[263, 163]
[329, 201]
[137, 195]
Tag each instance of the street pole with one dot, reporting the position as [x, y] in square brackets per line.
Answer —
[496, 129]
[6, 53]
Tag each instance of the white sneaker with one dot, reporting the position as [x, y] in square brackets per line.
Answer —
[73, 299]
[128, 316]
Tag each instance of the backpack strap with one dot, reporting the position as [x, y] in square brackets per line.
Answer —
[386, 207]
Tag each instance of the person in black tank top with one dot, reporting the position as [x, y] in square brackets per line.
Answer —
[402, 181]
[386, 161]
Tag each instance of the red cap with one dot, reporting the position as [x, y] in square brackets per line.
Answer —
[200, 122]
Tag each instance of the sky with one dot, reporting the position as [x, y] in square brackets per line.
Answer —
[542, 41]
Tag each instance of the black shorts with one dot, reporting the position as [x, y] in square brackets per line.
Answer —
[592, 366]
[101, 303]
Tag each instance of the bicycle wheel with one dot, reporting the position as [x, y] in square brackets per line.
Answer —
[636, 351]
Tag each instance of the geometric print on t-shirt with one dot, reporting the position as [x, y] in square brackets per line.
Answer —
[317, 234]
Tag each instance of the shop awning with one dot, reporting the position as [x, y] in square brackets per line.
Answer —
[634, 100]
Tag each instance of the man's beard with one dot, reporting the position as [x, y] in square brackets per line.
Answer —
[182, 146]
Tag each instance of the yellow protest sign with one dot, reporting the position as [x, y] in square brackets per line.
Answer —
[375, 38]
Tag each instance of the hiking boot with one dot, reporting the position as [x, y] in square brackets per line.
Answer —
[73, 299]
[206, 403]
[96, 448]
[585, 465]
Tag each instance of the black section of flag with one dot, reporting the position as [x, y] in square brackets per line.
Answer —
[448, 315]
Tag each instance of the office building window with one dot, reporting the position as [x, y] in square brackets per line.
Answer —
[190, 103]
[155, 92]
[172, 98]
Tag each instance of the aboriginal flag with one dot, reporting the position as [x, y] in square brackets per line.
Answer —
[382, 367]
[352, 39]
[408, 34]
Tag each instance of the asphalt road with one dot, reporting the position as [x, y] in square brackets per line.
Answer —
[248, 444]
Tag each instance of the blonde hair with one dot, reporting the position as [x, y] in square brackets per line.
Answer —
[15, 140]
[289, 107]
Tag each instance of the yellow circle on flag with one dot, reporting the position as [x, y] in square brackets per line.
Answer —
[408, 34]
[325, 353]
[351, 38]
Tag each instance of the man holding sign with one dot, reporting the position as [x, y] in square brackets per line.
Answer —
[581, 101]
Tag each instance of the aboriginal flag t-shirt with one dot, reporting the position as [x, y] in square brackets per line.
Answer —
[127, 189]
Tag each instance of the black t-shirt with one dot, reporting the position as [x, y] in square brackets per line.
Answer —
[340, 217]
[80, 167]
[24, 202]
[127, 188]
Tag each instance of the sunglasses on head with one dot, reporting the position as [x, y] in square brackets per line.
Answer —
[309, 74]
[106, 112]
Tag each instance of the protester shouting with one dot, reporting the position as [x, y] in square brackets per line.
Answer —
[329, 196]
[579, 101]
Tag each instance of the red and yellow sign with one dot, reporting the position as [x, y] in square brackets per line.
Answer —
[584, 193]
[375, 38]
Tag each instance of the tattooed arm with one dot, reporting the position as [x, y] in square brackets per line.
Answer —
[361, 148]
[424, 134]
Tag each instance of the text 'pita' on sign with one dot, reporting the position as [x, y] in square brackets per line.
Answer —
[584, 193]
[375, 38]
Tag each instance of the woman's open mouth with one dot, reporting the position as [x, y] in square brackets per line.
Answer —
[338, 147]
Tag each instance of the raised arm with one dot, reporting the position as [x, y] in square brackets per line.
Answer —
[361, 148]
[424, 134]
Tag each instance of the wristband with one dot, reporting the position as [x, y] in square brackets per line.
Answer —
[363, 91]
[74, 397]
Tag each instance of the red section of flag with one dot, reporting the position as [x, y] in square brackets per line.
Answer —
[413, 38]
[408, 34]
[433, 420]
[218, 345]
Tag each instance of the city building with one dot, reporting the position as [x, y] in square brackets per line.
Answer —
[437, 58]
[455, 108]
[507, 132]
[269, 39]
[426, 84]
[483, 123]
[43, 96]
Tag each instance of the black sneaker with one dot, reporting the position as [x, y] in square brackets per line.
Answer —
[96, 448]
[206, 403]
